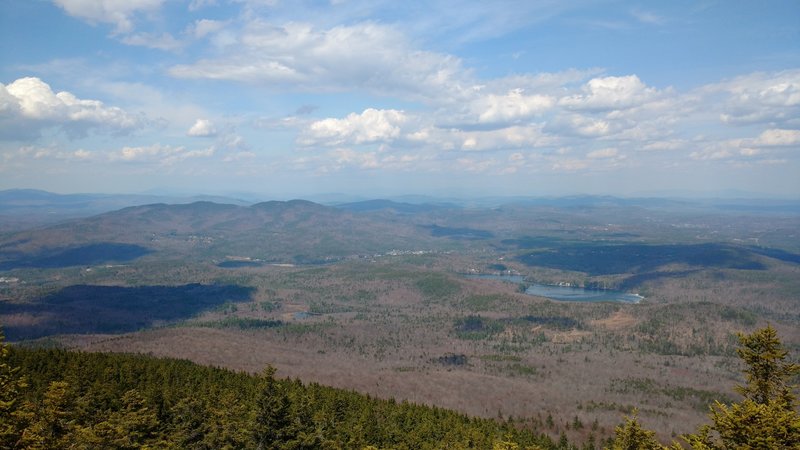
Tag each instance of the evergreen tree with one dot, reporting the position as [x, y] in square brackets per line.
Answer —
[631, 436]
[767, 418]
[272, 412]
[50, 425]
[768, 373]
[11, 386]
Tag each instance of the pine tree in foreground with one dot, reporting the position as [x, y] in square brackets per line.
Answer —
[766, 419]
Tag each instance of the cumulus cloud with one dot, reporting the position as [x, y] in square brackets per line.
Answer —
[115, 12]
[769, 145]
[603, 153]
[512, 106]
[666, 145]
[610, 93]
[759, 98]
[581, 126]
[777, 137]
[28, 105]
[515, 137]
[712, 153]
[203, 27]
[569, 165]
[607, 121]
[372, 125]
[202, 128]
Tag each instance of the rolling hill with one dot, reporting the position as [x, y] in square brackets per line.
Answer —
[295, 231]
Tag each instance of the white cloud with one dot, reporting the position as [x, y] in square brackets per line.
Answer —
[165, 155]
[610, 93]
[142, 153]
[31, 104]
[569, 165]
[370, 126]
[767, 146]
[115, 12]
[777, 137]
[29, 153]
[581, 126]
[203, 27]
[672, 144]
[604, 153]
[759, 98]
[364, 56]
[711, 154]
[195, 5]
[164, 41]
[349, 157]
[512, 106]
[82, 154]
[515, 137]
[202, 128]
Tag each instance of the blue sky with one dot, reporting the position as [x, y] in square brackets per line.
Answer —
[379, 98]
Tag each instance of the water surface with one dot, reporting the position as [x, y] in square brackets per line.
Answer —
[567, 293]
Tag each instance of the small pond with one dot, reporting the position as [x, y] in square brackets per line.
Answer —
[567, 293]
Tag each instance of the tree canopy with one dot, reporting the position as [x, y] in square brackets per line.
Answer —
[765, 419]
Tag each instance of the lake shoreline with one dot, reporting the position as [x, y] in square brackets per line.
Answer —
[565, 293]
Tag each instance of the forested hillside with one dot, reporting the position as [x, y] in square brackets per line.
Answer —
[59, 399]
[52, 399]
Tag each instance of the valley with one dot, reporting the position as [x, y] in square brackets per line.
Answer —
[382, 298]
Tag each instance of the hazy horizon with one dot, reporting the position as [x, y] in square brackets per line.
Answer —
[348, 197]
[447, 99]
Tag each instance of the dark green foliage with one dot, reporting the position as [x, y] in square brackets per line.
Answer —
[452, 359]
[631, 436]
[85, 400]
[237, 264]
[242, 323]
[767, 418]
[436, 286]
[85, 255]
[609, 259]
[699, 398]
[768, 373]
[272, 422]
[118, 309]
[11, 387]
[476, 328]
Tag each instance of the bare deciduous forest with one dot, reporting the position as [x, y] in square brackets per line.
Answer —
[388, 303]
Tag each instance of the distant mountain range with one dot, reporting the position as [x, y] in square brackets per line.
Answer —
[27, 208]
[398, 207]
[23, 208]
[296, 231]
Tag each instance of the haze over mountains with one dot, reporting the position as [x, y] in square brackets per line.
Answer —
[25, 207]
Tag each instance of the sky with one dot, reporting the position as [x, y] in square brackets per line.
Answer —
[384, 98]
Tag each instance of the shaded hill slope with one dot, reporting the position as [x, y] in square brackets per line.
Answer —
[294, 231]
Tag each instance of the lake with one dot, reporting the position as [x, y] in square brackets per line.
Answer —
[567, 294]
